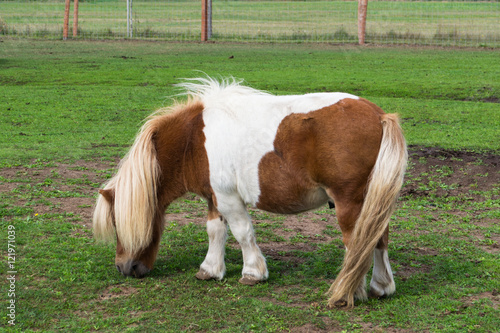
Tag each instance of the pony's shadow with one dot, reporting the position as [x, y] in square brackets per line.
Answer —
[433, 272]
[190, 259]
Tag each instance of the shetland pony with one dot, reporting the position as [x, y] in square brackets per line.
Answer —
[237, 146]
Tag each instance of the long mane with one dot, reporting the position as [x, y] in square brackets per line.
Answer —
[135, 186]
[135, 195]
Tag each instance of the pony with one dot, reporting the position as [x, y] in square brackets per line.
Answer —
[237, 146]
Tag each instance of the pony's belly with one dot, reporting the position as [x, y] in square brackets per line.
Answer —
[293, 202]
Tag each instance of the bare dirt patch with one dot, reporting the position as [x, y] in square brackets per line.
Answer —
[493, 297]
[68, 189]
[457, 172]
[116, 291]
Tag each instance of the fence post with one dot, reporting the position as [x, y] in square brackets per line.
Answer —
[209, 19]
[75, 18]
[66, 20]
[362, 9]
[206, 20]
[129, 19]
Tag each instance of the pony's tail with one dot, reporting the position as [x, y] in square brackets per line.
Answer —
[135, 197]
[383, 189]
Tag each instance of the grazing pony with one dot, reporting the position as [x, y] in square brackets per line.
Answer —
[237, 146]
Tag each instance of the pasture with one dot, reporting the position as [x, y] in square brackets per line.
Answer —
[70, 110]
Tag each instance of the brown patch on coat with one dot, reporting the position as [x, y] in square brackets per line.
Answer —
[334, 148]
[180, 147]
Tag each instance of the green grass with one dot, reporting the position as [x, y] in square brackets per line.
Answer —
[87, 100]
[69, 110]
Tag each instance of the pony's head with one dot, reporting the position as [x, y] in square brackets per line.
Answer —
[127, 208]
[132, 204]
[131, 259]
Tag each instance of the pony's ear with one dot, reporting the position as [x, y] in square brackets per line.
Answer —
[109, 195]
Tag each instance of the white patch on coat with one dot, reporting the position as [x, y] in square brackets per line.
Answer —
[240, 127]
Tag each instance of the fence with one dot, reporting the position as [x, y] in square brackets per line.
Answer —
[446, 23]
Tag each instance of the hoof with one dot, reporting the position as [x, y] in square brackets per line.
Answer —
[338, 304]
[249, 280]
[203, 275]
[374, 294]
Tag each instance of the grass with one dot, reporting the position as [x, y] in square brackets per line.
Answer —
[69, 110]
[471, 23]
[86, 100]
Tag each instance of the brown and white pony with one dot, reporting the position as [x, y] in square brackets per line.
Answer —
[237, 146]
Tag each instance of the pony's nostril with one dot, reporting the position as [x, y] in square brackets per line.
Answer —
[118, 268]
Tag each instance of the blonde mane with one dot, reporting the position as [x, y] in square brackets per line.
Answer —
[135, 188]
[135, 195]
[209, 89]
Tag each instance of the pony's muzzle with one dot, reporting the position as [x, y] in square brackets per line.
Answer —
[132, 268]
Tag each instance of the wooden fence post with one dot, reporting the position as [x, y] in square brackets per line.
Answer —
[204, 20]
[75, 18]
[66, 20]
[362, 10]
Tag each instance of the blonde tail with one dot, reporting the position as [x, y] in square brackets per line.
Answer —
[383, 189]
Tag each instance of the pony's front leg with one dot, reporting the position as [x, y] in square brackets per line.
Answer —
[213, 267]
[254, 263]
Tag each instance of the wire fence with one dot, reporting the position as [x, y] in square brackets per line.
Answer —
[436, 22]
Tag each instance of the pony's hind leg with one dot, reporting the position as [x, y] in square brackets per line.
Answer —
[347, 213]
[213, 267]
[382, 283]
